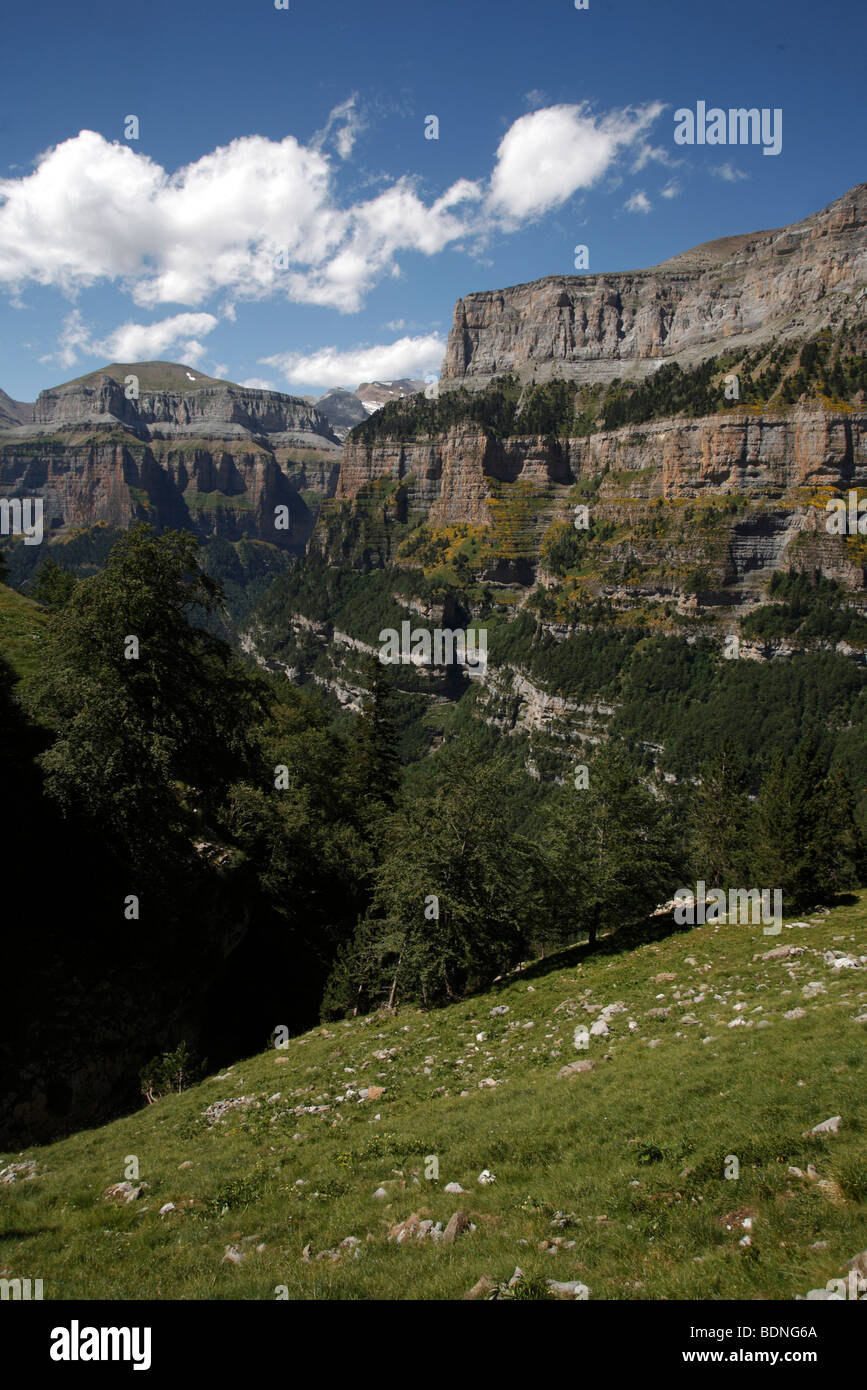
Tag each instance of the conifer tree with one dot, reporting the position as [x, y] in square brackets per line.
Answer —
[376, 739]
[613, 849]
[720, 812]
[807, 842]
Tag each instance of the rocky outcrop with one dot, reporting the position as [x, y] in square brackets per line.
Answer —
[734, 292]
[746, 451]
[159, 413]
[218, 458]
[14, 413]
[230, 490]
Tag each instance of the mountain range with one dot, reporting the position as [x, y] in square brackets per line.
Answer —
[162, 442]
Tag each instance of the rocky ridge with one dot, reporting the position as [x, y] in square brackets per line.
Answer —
[216, 457]
[736, 291]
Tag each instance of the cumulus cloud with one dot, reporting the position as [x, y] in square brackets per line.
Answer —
[638, 202]
[407, 357]
[260, 218]
[671, 189]
[548, 155]
[134, 342]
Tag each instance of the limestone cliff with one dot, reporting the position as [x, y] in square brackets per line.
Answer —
[734, 292]
[131, 443]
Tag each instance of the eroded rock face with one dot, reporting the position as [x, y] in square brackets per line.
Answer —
[260, 412]
[218, 460]
[229, 490]
[727, 293]
[771, 453]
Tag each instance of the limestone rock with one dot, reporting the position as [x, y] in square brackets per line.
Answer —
[573, 1068]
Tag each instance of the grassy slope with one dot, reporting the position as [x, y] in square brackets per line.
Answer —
[634, 1150]
[153, 376]
[22, 625]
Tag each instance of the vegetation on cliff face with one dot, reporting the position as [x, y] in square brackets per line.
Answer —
[828, 366]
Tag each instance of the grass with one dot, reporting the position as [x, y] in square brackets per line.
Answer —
[626, 1162]
[22, 630]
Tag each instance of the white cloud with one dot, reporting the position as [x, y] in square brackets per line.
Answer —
[548, 155]
[134, 342]
[645, 153]
[728, 172]
[638, 202]
[346, 122]
[143, 342]
[407, 357]
[671, 190]
[259, 384]
[259, 218]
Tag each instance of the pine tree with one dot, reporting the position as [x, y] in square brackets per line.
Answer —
[140, 739]
[376, 739]
[720, 811]
[807, 842]
[613, 848]
[52, 584]
[454, 896]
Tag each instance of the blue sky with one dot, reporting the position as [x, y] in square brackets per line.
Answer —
[282, 218]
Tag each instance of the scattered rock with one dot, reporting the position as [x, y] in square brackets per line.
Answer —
[498, 1009]
[182, 1166]
[826, 1127]
[796, 1013]
[457, 1224]
[487, 1083]
[124, 1191]
[569, 1289]
[841, 962]
[485, 1178]
[778, 953]
[658, 1013]
[214, 1113]
[662, 979]
[812, 989]
[234, 1256]
[25, 1170]
[573, 1068]
[831, 1191]
[482, 1289]
[455, 1188]
[169, 1206]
